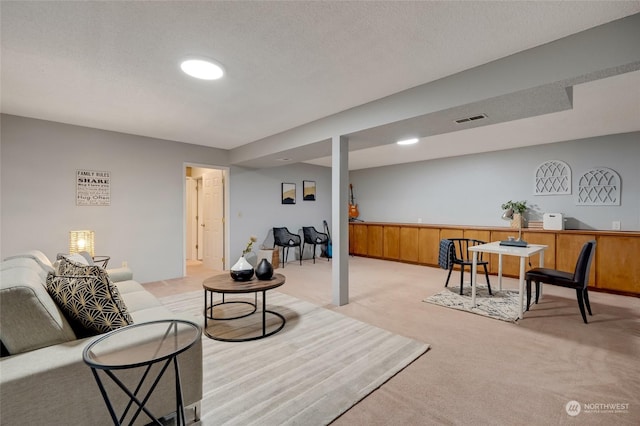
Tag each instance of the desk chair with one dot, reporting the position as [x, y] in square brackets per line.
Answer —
[459, 254]
[577, 280]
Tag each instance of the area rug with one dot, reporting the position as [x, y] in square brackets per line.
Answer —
[502, 305]
[309, 373]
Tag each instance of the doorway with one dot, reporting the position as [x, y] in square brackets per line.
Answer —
[204, 217]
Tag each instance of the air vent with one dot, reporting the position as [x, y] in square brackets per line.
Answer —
[472, 118]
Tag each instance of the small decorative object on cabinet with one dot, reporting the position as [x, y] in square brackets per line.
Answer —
[264, 270]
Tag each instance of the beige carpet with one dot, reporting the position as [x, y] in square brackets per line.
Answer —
[317, 367]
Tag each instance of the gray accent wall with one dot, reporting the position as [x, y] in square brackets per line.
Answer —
[468, 190]
[144, 224]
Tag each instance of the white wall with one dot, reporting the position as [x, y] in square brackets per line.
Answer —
[256, 206]
[143, 225]
[469, 190]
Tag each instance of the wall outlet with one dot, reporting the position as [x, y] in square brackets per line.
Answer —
[125, 264]
[615, 225]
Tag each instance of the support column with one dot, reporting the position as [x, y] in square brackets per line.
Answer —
[340, 220]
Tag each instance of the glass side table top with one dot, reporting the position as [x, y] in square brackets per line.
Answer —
[141, 344]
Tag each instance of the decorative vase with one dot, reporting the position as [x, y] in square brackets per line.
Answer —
[242, 270]
[264, 271]
[517, 221]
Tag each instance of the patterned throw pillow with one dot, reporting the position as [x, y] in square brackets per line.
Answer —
[88, 297]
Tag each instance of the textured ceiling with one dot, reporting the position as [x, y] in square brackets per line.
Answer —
[114, 65]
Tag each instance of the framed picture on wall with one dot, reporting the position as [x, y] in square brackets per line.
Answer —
[308, 190]
[288, 193]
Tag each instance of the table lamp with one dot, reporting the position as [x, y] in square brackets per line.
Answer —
[508, 215]
[81, 241]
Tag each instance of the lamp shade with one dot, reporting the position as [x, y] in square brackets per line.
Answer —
[508, 214]
[81, 241]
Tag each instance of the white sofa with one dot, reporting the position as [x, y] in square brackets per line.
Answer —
[44, 380]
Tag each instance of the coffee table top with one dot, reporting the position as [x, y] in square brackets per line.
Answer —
[223, 283]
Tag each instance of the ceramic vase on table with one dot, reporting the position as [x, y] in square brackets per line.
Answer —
[264, 270]
[242, 270]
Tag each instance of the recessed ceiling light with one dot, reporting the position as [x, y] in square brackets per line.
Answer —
[203, 69]
[408, 141]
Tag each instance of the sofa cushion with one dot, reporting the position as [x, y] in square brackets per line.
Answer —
[91, 301]
[96, 304]
[29, 318]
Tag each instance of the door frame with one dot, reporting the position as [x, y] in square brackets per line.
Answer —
[225, 188]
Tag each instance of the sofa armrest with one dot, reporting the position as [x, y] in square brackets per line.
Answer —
[117, 275]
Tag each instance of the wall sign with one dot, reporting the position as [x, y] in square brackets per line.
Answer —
[93, 188]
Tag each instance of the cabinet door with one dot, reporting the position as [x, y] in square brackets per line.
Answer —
[360, 239]
[618, 264]
[375, 238]
[568, 247]
[351, 239]
[544, 238]
[409, 244]
[451, 233]
[428, 246]
[392, 242]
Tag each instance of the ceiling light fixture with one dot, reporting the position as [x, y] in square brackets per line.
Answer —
[408, 141]
[203, 69]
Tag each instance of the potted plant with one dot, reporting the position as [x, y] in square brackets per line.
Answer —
[514, 211]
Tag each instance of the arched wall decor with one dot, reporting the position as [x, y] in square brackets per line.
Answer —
[599, 187]
[552, 177]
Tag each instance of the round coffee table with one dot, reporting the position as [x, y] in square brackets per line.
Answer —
[224, 285]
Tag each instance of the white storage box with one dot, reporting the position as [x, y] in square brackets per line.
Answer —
[553, 221]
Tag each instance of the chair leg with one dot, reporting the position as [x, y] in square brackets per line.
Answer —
[528, 294]
[462, 278]
[537, 291]
[581, 304]
[486, 274]
[449, 276]
[300, 256]
[302, 250]
[314, 254]
[586, 300]
[285, 253]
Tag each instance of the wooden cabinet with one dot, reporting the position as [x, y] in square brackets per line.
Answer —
[568, 250]
[360, 236]
[618, 264]
[375, 246]
[409, 243]
[391, 242]
[428, 246]
[616, 267]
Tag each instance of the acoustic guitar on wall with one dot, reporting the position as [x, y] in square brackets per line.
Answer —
[353, 207]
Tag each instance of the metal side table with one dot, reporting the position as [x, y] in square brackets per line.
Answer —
[141, 345]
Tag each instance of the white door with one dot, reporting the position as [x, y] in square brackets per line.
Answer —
[192, 219]
[213, 223]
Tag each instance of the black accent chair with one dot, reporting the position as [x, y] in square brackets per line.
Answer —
[285, 239]
[460, 255]
[311, 236]
[577, 280]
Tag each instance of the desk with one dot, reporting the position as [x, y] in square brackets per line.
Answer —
[223, 284]
[496, 248]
